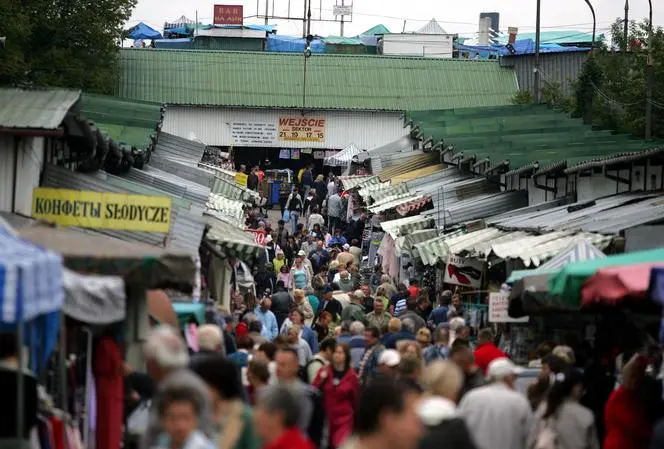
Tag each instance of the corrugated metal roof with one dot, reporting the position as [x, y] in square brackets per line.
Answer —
[35, 109]
[368, 191]
[478, 207]
[391, 191]
[537, 208]
[224, 173]
[125, 121]
[402, 226]
[613, 159]
[415, 162]
[183, 169]
[175, 146]
[408, 241]
[435, 250]
[231, 190]
[418, 173]
[392, 202]
[437, 179]
[170, 183]
[333, 81]
[356, 181]
[231, 240]
[226, 206]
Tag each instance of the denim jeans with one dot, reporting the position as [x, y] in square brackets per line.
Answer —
[295, 219]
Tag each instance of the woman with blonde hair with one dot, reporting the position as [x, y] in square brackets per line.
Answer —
[302, 304]
[438, 410]
[423, 337]
[410, 348]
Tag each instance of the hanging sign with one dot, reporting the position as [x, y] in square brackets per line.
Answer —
[241, 179]
[464, 272]
[498, 304]
[102, 210]
[302, 129]
[228, 15]
[259, 236]
[253, 134]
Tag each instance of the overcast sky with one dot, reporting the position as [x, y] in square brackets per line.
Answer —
[458, 16]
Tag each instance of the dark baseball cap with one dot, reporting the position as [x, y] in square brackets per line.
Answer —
[327, 288]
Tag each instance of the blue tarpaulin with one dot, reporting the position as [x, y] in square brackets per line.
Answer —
[521, 47]
[290, 44]
[143, 31]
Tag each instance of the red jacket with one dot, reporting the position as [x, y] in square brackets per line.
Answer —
[339, 401]
[625, 421]
[291, 439]
[487, 353]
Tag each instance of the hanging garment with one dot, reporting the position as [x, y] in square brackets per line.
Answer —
[110, 393]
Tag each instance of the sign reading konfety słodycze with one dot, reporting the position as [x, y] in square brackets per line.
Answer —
[498, 306]
[302, 129]
[464, 272]
[99, 210]
[228, 15]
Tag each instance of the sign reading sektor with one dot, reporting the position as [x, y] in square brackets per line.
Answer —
[101, 210]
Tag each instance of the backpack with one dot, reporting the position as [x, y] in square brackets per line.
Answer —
[547, 436]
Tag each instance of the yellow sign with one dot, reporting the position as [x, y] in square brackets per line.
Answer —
[241, 179]
[302, 129]
[99, 210]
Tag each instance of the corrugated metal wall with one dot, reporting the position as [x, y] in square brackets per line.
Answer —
[365, 130]
[6, 173]
[28, 169]
[562, 68]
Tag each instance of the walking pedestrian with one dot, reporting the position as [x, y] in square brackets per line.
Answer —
[462, 355]
[277, 416]
[294, 206]
[486, 351]
[373, 349]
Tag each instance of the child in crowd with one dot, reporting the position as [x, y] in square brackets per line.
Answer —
[180, 413]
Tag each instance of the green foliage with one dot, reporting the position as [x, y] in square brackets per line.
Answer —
[66, 43]
[611, 89]
[522, 97]
[552, 94]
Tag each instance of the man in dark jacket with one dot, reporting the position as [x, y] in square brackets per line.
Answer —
[253, 180]
[281, 303]
[411, 314]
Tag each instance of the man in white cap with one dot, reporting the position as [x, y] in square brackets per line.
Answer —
[388, 362]
[497, 416]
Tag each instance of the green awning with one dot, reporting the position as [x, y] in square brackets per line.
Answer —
[566, 284]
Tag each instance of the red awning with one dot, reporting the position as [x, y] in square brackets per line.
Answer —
[413, 206]
[613, 285]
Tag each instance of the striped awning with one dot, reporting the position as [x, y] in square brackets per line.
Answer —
[233, 191]
[231, 208]
[357, 181]
[343, 158]
[231, 240]
[370, 190]
[410, 240]
[419, 160]
[224, 173]
[433, 251]
[413, 206]
[31, 279]
[393, 190]
[394, 201]
[403, 226]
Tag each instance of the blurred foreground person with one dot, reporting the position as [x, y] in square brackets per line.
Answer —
[438, 410]
[498, 417]
[462, 355]
[276, 417]
[562, 419]
[166, 357]
[230, 415]
[387, 417]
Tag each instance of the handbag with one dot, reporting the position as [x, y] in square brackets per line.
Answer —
[286, 216]
[139, 420]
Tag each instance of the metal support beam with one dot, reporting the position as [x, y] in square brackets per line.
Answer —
[649, 78]
[537, 51]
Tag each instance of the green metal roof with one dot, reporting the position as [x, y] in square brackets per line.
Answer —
[521, 134]
[275, 80]
[35, 109]
[375, 30]
[129, 122]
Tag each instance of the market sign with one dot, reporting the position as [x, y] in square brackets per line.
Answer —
[102, 210]
[228, 15]
[302, 129]
[498, 304]
[253, 134]
[464, 272]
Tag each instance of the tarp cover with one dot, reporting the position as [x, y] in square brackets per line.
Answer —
[143, 31]
[610, 286]
[94, 299]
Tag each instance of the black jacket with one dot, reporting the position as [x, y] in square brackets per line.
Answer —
[252, 181]
[281, 302]
[444, 427]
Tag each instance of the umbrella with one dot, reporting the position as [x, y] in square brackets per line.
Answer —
[143, 31]
[567, 283]
[611, 286]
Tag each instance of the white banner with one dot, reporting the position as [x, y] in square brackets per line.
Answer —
[250, 134]
[498, 304]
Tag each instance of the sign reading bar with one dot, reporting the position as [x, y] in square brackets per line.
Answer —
[249, 133]
[228, 14]
[302, 129]
[498, 304]
[100, 210]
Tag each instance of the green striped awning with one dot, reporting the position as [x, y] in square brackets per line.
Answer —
[394, 190]
[225, 206]
[357, 181]
[403, 226]
[370, 190]
[223, 173]
[410, 240]
[233, 191]
[391, 202]
[231, 240]
[437, 250]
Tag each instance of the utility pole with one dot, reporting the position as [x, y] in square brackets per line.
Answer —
[537, 52]
[342, 19]
[626, 27]
[649, 78]
[267, 10]
[592, 10]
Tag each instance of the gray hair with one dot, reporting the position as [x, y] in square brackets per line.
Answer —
[357, 328]
[210, 337]
[284, 399]
[345, 326]
[166, 348]
[408, 325]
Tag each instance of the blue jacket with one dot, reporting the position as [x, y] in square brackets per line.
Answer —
[311, 338]
[240, 358]
[270, 329]
[390, 340]
[439, 315]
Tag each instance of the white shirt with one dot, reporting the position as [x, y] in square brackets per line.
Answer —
[331, 188]
[497, 417]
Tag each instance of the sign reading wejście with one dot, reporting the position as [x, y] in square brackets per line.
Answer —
[102, 210]
[498, 304]
[302, 129]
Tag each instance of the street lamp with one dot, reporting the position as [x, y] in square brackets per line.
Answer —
[592, 10]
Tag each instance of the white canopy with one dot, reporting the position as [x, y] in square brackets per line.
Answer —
[344, 157]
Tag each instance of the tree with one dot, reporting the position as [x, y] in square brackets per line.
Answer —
[65, 43]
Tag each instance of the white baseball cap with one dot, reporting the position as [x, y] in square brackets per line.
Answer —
[501, 368]
[389, 357]
[359, 294]
[301, 253]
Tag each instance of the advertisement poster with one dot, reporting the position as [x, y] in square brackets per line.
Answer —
[251, 133]
[102, 210]
[464, 272]
[498, 304]
[302, 129]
